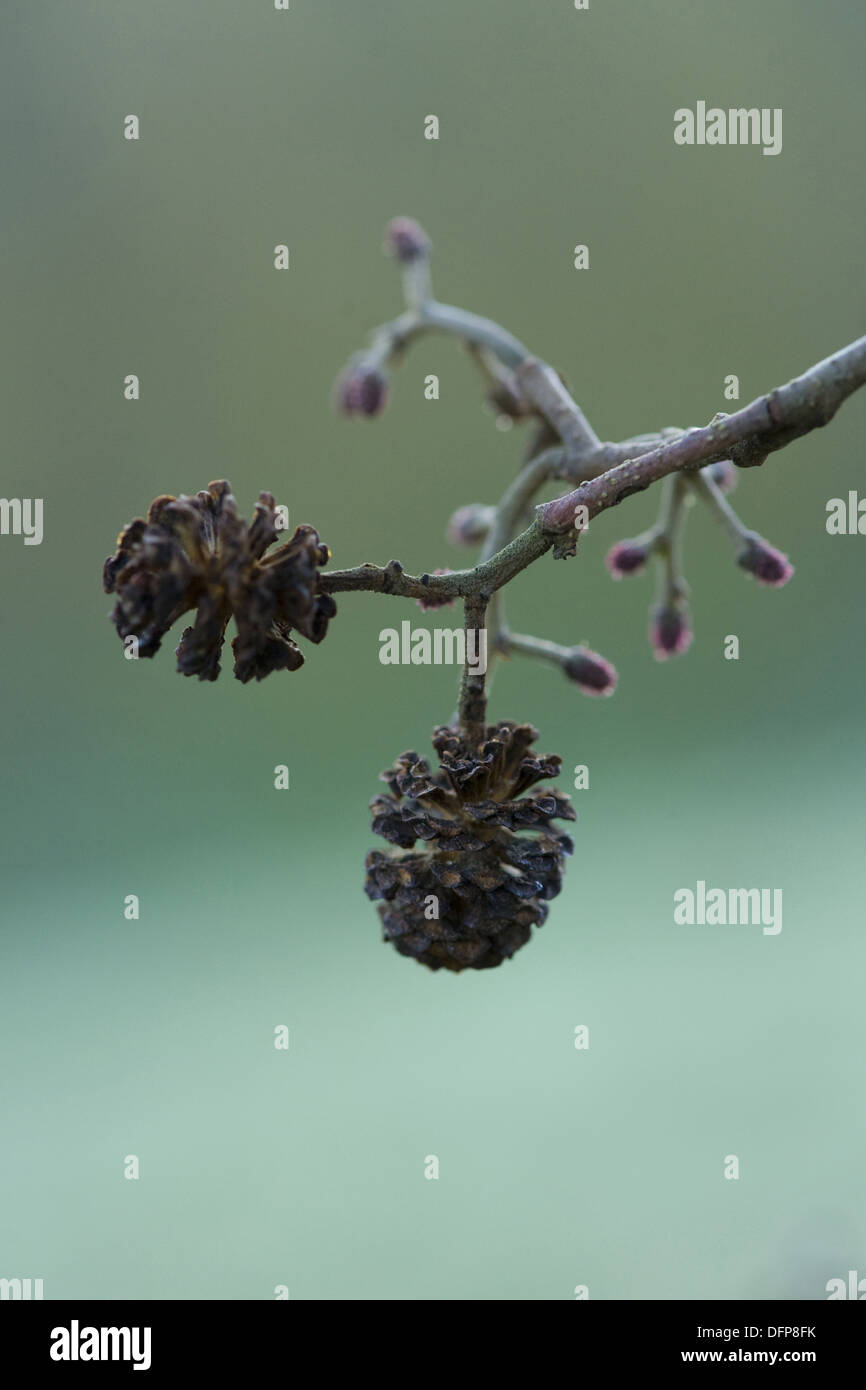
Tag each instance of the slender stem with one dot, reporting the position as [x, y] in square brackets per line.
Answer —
[668, 546]
[508, 514]
[497, 378]
[547, 392]
[472, 710]
[667, 509]
[472, 328]
[534, 646]
[391, 338]
[417, 285]
[710, 492]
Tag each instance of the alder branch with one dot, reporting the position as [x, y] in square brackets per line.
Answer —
[748, 437]
[606, 472]
[486, 577]
[766, 425]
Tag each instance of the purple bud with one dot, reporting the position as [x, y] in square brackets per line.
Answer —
[427, 603]
[768, 565]
[670, 632]
[406, 240]
[469, 525]
[362, 391]
[591, 672]
[724, 474]
[627, 557]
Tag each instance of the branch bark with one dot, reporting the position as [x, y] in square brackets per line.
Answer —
[767, 424]
[605, 472]
[472, 711]
[748, 437]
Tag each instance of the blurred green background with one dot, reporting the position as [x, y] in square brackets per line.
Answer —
[557, 1167]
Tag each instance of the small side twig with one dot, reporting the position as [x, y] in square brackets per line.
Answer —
[472, 712]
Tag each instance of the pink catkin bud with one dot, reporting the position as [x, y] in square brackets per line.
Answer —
[670, 632]
[406, 240]
[626, 557]
[469, 525]
[768, 565]
[724, 474]
[591, 672]
[362, 391]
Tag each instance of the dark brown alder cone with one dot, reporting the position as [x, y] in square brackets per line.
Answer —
[490, 859]
[198, 553]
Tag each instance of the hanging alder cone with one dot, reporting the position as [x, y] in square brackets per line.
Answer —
[490, 862]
